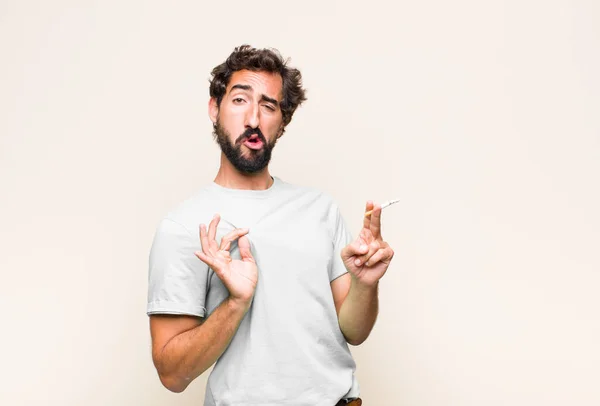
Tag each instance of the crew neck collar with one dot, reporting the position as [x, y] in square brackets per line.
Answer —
[247, 192]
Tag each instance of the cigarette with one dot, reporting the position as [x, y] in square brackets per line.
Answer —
[383, 206]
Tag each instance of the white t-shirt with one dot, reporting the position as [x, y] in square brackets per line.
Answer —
[288, 349]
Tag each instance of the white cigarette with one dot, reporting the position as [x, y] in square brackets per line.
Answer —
[383, 206]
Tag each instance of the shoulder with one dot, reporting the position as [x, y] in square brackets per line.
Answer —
[187, 214]
[316, 204]
[318, 196]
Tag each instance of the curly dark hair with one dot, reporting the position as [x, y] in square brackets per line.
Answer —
[266, 60]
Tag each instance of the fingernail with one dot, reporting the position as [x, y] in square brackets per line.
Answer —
[357, 262]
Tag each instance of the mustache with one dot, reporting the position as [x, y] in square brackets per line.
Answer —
[250, 132]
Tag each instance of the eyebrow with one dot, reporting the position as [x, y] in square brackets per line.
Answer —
[262, 96]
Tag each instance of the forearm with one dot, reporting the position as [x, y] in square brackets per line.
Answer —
[189, 354]
[358, 312]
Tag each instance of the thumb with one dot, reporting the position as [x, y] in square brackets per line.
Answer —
[244, 246]
[355, 248]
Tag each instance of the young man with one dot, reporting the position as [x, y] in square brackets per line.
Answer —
[274, 289]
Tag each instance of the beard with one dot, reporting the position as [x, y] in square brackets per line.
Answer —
[255, 161]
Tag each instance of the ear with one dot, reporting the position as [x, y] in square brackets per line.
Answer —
[213, 109]
[280, 132]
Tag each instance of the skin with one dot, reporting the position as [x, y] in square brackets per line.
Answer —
[183, 347]
[241, 109]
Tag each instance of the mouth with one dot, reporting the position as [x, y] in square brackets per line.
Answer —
[254, 142]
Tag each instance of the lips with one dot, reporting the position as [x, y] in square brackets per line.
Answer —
[254, 142]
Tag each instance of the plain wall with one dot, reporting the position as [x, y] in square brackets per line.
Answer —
[482, 117]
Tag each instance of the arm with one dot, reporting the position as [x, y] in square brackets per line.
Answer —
[356, 306]
[355, 293]
[183, 347]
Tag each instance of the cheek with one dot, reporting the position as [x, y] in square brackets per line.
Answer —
[272, 133]
[272, 127]
[232, 121]
[231, 115]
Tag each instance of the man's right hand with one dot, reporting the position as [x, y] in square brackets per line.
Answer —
[238, 276]
[183, 347]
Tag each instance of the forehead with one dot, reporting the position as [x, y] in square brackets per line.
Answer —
[267, 83]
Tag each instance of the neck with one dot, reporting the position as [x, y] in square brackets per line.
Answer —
[229, 177]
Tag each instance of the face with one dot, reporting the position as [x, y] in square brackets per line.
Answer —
[249, 121]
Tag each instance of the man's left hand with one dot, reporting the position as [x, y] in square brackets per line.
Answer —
[368, 257]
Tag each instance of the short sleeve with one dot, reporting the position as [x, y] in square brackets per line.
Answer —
[341, 238]
[177, 279]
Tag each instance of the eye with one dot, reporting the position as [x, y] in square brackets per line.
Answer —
[269, 107]
[238, 100]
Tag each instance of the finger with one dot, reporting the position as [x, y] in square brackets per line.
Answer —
[204, 240]
[356, 248]
[365, 236]
[231, 237]
[205, 258]
[212, 232]
[382, 255]
[376, 222]
[367, 219]
[244, 245]
[373, 248]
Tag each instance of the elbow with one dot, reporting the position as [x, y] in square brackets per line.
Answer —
[169, 378]
[355, 342]
[173, 384]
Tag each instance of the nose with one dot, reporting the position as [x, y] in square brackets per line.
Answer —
[252, 118]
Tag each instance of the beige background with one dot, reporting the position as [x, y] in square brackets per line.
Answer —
[483, 117]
